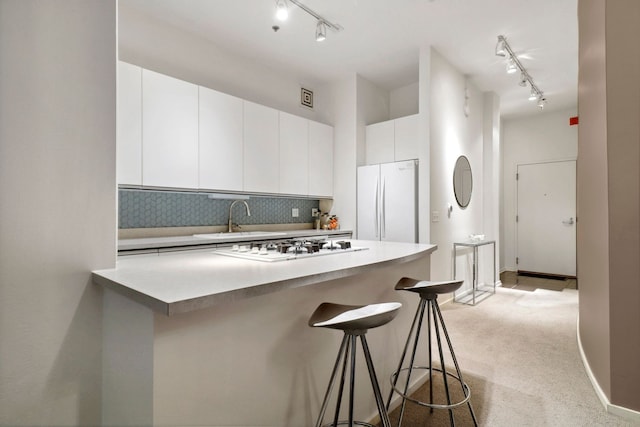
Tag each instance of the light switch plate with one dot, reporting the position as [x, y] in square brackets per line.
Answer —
[295, 212]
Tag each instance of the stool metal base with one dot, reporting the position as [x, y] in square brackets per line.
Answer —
[465, 389]
[430, 303]
[347, 353]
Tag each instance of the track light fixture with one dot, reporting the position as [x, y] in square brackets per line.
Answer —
[282, 11]
[321, 31]
[321, 25]
[513, 64]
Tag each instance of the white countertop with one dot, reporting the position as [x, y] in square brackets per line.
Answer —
[179, 282]
[167, 242]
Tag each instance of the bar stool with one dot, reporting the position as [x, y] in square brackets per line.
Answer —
[429, 292]
[354, 321]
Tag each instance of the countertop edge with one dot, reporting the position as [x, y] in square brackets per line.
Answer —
[186, 306]
[170, 308]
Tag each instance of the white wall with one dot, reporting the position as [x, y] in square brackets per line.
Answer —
[537, 138]
[158, 46]
[57, 206]
[344, 95]
[452, 134]
[404, 101]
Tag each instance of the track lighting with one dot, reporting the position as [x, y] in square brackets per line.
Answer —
[500, 48]
[541, 102]
[321, 31]
[513, 64]
[282, 11]
[322, 23]
[523, 80]
[533, 95]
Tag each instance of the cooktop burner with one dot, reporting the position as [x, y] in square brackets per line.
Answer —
[288, 249]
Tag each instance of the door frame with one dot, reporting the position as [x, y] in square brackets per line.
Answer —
[515, 222]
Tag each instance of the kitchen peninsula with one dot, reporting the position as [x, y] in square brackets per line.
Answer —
[196, 338]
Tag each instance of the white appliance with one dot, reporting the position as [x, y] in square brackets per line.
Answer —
[388, 202]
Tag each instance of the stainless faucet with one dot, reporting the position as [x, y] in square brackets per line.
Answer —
[231, 209]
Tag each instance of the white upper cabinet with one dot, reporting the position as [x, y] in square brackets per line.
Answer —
[379, 142]
[392, 141]
[129, 137]
[169, 131]
[294, 154]
[221, 145]
[406, 138]
[320, 159]
[261, 148]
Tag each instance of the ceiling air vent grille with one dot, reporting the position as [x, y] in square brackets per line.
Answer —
[306, 98]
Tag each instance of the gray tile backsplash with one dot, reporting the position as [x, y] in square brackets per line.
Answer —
[150, 209]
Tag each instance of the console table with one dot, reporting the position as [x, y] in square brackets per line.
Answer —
[475, 291]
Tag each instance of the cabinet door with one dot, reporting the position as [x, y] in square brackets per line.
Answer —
[294, 154]
[320, 159]
[261, 152]
[406, 138]
[220, 158]
[170, 131]
[129, 137]
[379, 142]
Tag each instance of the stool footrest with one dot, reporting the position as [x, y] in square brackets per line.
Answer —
[466, 389]
[345, 423]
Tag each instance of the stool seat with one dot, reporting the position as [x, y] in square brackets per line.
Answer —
[428, 287]
[354, 321]
[353, 317]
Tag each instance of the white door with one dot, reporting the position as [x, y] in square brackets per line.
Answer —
[320, 159]
[368, 202]
[169, 131]
[294, 154]
[261, 148]
[129, 140]
[398, 201]
[546, 216]
[220, 143]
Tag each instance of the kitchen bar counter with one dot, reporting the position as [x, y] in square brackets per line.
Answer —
[195, 338]
[180, 282]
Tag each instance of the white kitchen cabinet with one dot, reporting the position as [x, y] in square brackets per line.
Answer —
[294, 154]
[320, 159]
[392, 140]
[261, 148]
[221, 145]
[406, 138]
[129, 125]
[379, 139]
[169, 131]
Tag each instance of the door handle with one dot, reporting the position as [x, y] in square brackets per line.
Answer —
[570, 222]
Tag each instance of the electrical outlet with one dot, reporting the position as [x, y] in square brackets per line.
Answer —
[435, 216]
[315, 212]
[294, 212]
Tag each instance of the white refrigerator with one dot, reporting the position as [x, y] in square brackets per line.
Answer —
[387, 202]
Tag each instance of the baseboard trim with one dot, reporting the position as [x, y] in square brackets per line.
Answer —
[620, 411]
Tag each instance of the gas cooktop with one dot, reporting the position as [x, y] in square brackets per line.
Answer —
[288, 249]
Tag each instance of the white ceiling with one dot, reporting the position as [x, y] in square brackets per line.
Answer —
[382, 38]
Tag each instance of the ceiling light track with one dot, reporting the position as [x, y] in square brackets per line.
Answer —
[322, 22]
[513, 64]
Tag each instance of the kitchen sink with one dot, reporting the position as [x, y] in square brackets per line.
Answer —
[227, 235]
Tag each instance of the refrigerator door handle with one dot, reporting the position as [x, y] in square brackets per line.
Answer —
[384, 217]
[377, 204]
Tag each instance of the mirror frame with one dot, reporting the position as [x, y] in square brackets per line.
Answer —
[462, 197]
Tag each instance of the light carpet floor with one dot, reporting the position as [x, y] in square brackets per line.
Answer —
[519, 354]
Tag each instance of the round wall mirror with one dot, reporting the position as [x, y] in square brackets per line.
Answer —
[462, 181]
